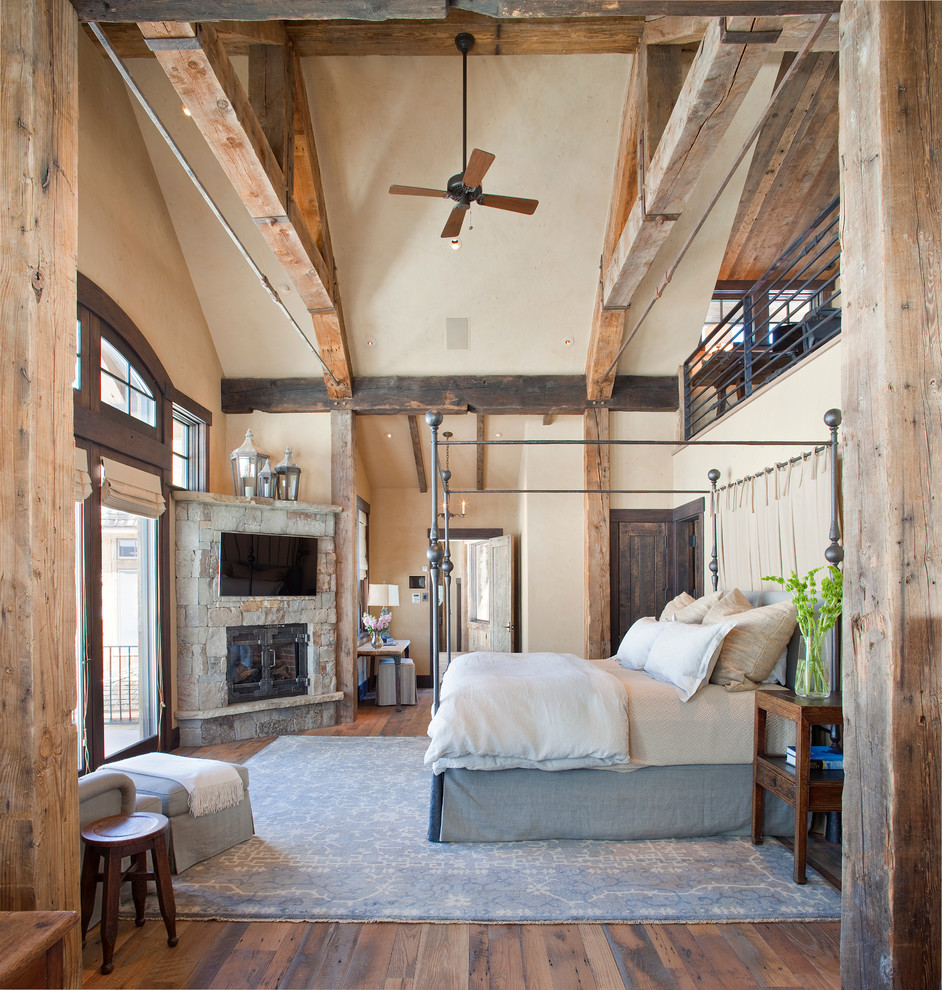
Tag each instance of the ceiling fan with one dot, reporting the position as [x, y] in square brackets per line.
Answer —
[465, 187]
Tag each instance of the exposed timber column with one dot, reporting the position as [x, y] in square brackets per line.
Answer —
[891, 204]
[596, 514]
[343, 486]
[38, 173]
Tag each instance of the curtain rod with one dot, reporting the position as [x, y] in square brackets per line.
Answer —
[771, 470]
[615, 443]
[579, 491]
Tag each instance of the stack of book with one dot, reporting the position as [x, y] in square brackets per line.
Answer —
[822, 758]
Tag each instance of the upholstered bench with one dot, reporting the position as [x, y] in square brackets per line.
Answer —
[195, 838]
[386, 681]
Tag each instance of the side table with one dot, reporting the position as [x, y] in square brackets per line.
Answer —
[803, 789]
[398, 649]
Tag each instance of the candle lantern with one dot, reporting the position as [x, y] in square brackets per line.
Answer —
[287, 478]
[246, 464]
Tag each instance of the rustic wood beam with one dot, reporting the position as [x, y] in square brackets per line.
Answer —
[39, 829]
[891, 201]
[712, 92]
[202, 74]
[417, 454]
[270, 97]
[597, 541]
[718, 80]
[343, 492]
[608, 328]
[480, 452]
[563, 395]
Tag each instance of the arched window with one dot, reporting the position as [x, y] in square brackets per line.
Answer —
[129, 421]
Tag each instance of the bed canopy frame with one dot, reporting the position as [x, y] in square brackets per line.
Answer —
[439, 549]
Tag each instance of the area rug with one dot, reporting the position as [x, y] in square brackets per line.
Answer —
[341, 836]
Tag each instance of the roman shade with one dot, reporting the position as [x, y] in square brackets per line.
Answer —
[81, 482]
[131, 490]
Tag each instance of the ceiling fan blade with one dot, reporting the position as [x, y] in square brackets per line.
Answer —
[417, 191]
[478, 164]
[455, 220]
[512, 203]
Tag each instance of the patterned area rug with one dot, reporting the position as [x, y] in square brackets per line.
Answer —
[341, 836]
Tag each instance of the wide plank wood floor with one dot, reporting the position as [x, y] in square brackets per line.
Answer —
[384, 956]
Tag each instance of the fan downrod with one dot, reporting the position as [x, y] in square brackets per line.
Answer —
[464, 42]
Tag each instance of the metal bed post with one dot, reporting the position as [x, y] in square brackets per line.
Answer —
[434, 553]
[447, 567]
[714, 475]
[834, 554]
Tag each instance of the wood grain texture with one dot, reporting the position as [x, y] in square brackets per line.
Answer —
[597, 632]
[38, 172]
[343, 492]
[491, 395]
[891, 200]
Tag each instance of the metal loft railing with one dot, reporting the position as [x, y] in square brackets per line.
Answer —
[789, 313]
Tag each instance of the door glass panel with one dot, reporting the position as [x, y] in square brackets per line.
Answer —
[78, 716]
[129, 628]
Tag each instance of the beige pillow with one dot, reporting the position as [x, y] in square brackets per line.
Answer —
[693, 613]
[674, 606]
[732, 604]
[754, 644]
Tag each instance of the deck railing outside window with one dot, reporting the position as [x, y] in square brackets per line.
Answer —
[789, 313]
[121, 685]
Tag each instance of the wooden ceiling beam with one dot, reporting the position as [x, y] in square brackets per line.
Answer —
[201, 72]
[713, 90]
[481, 434]
[492, 395]
[417, 455]
[608, 329]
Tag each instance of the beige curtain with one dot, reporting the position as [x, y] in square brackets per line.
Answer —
[131, 490]
[774, 523]
[362, 561]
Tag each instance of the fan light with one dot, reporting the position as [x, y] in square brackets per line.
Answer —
[455, 244]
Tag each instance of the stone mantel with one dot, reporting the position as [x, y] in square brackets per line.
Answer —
[203, 616]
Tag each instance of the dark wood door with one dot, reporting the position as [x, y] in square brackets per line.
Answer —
[641, 559]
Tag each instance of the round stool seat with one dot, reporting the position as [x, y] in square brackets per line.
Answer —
[113, 839]
[121, 829]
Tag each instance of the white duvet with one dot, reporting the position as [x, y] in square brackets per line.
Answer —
[552, 711]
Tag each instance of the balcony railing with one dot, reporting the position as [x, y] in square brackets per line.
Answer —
[121, 676]
[787, 315]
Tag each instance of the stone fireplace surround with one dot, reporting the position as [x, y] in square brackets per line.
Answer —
[203, 715]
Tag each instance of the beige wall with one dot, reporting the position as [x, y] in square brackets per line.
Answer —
[308, 436]
[399, 524]
[127, 244]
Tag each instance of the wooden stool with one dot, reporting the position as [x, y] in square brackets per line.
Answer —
[114, 838]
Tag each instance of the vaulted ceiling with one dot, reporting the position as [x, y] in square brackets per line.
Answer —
[623, 126]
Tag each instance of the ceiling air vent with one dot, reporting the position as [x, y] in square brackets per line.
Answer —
[456, 333]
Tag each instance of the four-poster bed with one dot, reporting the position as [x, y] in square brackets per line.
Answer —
[658, 756]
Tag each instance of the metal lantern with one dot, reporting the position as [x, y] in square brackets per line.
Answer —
[246, 464]
[266, 481]
[287, 478]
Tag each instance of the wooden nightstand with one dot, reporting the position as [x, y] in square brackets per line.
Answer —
[804, 789]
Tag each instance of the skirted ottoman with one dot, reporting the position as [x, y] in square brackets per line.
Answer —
[200, 826]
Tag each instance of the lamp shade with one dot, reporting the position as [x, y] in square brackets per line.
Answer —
[392, 594]
[383, 594]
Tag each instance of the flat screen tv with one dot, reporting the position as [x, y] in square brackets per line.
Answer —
[263, 566]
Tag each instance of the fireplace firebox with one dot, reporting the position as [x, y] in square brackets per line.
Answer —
[266, 661]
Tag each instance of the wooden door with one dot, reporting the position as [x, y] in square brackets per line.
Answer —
[502, 596]
[641, 557]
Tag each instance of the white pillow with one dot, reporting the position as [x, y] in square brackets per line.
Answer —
[636, 644]
[684, 655]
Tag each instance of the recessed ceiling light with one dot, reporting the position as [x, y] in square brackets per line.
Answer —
[186, 110]
[498, 435]
[568, 341]
[370, 342]
[389, 436]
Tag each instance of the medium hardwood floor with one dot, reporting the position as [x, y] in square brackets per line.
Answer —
[385, 956]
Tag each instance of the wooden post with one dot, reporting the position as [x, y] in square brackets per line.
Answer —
[343, 486]
[891, 202]
[598, 622]
[38, 175]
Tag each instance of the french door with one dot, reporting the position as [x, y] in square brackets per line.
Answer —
[118, 631]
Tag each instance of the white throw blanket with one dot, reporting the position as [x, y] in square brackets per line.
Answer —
[552, 711]
[210, 785]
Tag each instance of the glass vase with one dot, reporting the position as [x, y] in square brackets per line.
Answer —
[374, 638]
[813, 670]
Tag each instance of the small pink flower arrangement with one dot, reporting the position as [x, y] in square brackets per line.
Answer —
[376, 623]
